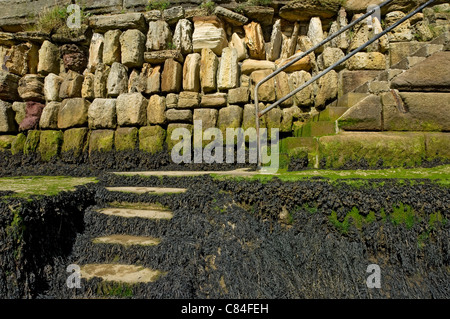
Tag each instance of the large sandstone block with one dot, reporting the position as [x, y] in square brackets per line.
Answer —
[239, 44]
[231, 17]
[126, 138]
[208, 117]
[101, 141]
[131, 109]
[372, 148]
[171, 77]
[367, 61]
[154, 80]
[306, 96]
[328, 89]
[8, 86]
[209, 33]
[50, 143]
[424, 112]
[21, 59]
[178, 116]
[159, 57]
[87, 89]
[251, 65]
[304, 64]
[173, 15]
[71, 85]
[208, 70]
[254, 39]
[7, 123]
[52, 85]
[103, 23]
[33, 112]
[49, 117]
[117, 82]
[305, 10]
[111, 47]
[132, 44]
[238, 95]
[151, 139]
[74, 57]
[156, 110]
[49, 59]
[159, 36]
[432, 74]
[20, 109]
[215, 100]
[350, 80]
[96, 51]
[276, 39]
[228, 74]
[191, 73]
[102, 114]
[75, 143]
[31, 88]
[266, 92]
[182, 37]
[229, 117]
[73, 113]
[282, 88]
[101, 80]
[188, 100]
[364, 116]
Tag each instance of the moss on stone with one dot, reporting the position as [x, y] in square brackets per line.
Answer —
[101, 141]
[390, 149]
[151, 139]
[437, 146]
[126, 138]
[75, 141]
[32, 142]
[18, 144]
[50, 144]
[6, 142]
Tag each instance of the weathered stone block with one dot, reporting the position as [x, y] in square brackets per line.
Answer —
[117, 82]
[102, 114]
[33, 112]
[73, 113]
[188, 100]
[71, 85]
[75, 142]
[49, 117]
[209, 33]
[156, 110]
[132, 46]
[50, 143]
[191, 73]
[8, 86]
[126, 138]
[131, 109]
[208, 70]
[151, 139]
[228, 74]
[31, 88]
[7, 123]
[101, 141]
[171, 77]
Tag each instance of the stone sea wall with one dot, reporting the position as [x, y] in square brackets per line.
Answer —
[130, 75]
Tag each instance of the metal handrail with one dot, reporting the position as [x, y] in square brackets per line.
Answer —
[324, 72]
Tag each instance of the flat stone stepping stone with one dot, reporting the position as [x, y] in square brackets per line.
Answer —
[143, 190]
[127, 240]
[236, 172]
[130, 274]
[140, 213]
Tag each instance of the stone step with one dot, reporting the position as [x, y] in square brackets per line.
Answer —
[139, 213]
[130, 274]
[144, 190]
[127, 240]
[236, 172]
